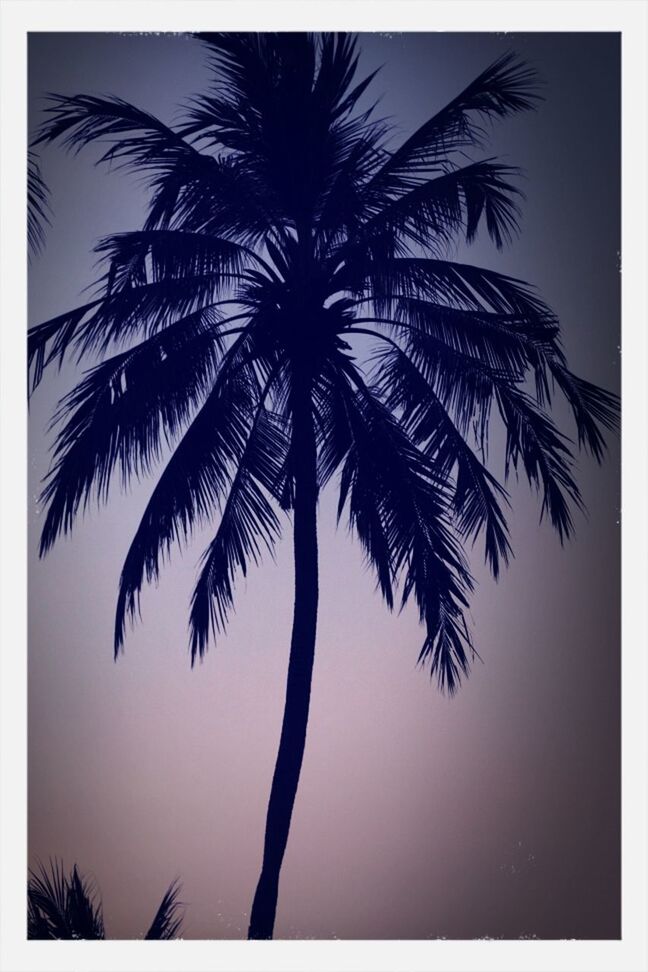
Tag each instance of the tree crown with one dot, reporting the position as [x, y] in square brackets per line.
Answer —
[283, 234]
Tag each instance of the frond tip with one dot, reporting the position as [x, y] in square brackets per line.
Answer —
[447, 650]
[169, 916]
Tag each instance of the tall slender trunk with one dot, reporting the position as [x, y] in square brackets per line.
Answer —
[300, 668]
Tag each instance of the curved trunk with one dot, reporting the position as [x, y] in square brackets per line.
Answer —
[300, 667]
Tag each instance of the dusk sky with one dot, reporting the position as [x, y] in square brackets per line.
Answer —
[492, 814]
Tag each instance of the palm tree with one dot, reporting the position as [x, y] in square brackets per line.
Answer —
[285, 236]
[67, 906]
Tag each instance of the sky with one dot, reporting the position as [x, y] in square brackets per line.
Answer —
[492, 814]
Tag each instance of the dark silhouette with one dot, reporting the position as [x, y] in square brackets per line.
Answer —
[67, 906]
[38, 206]
[285, 236]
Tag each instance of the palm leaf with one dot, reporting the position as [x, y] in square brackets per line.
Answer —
[66, 907]
[197, 475]
[504, 342]
[125, 412]
[508, 85]
[118, 318]
[248, 522]
[477, 494]
[142, 142]
[592, 407]
[360, 485]
[85, 911]
[169, 916]
[156, 256]
[412, 505]
[38, 205]
[139, 139]
[433, 213]
[224, 201]
[332, 429]
[456, 285]
[464, 385]
[50, 340]
[532, 438]
[47, 903]
[61, 906]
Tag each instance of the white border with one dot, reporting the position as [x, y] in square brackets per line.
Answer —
[17, 18]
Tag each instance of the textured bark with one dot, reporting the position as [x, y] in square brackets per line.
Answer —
[300, 668]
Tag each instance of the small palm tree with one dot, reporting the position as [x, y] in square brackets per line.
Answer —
[67, 906]
[284, 235]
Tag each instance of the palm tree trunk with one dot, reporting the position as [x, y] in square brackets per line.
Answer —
[300, 668]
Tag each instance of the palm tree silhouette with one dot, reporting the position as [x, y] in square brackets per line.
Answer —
[285, 236]
[67, 906]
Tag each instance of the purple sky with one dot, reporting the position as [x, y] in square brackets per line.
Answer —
[495, 813]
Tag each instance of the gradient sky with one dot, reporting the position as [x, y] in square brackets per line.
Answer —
[493, 814]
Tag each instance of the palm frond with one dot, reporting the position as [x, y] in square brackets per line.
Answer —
[532, 438]
[62, 906]
[338, 63]
[157, 256]
[248, 523]
[47, 903]
[333, 433]
[121, 316]
[592, 406]
[125, 412]
[359, 485]
[476, 493]
[193, 481]
[457, 285]
[387, 479]
[464, 385]
[50, 340]
[169, 916]
[84, 908]
[179, 174]
[508, 85]
[251, 68]
[432, 213]
[225, 201]
[38, 205]
[504, 342]
[139, 139]
[342, 209]
[531, 435]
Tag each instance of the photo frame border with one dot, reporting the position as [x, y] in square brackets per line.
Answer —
[18, 18]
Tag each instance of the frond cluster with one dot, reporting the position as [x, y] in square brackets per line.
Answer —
[62, 906]
[285, 234]
[67, 906]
